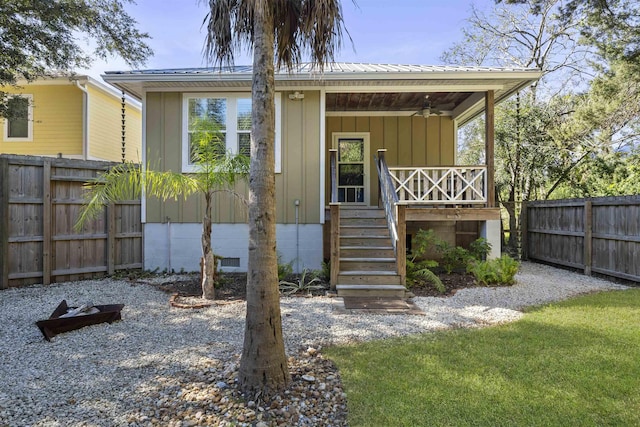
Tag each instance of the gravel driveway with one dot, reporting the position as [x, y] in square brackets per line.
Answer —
[97, 375]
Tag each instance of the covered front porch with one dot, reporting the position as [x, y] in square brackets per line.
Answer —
[374, 211]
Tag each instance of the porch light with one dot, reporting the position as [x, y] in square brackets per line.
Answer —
[296, 96]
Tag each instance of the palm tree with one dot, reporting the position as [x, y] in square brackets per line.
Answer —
[283, 30]
[216, 171]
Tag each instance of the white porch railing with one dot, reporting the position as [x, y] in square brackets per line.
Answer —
[456, 185]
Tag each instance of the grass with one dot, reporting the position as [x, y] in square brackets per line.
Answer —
[575, 363]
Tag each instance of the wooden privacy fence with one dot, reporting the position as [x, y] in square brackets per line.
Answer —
[40, 199]
[600, 235]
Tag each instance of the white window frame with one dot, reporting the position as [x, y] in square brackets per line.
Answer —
[231, 138]
[29, 137]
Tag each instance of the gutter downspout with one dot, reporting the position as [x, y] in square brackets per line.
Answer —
[85, 120]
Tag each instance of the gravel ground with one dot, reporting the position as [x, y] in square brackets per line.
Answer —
[174, 367]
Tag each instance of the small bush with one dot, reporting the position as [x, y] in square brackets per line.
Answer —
[500, 271]
[301, 285]
[325, 271]
[479, 249]
[284, 270]
[419, 273]
[453, 257]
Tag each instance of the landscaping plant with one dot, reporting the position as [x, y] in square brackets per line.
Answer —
[499, 271]
[301, 285]
[419, 270]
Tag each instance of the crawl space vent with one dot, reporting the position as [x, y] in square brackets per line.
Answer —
[230, 262]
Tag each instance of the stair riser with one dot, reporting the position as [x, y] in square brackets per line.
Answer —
[363, 241]
[363, 222]
[371, 293]
[361, 213]
[367, 266]
[368, 280]
[366, 253]
[364, 232]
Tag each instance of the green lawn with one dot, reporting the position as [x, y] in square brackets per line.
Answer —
[575, 363]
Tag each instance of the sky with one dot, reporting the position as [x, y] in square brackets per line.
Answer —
[383, 31]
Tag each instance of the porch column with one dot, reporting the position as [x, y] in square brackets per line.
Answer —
[489, 135]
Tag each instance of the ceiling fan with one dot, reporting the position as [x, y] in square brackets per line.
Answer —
[428, 110]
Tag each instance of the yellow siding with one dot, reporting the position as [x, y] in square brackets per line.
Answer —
[57, 121]
[105, 127]
[409, 141]
[300, 178]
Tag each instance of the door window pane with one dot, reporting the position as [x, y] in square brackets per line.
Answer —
[351, 174]
[351, 150]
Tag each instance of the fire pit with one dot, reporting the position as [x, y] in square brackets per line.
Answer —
[65, 318]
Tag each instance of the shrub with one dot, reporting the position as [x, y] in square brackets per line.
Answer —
[479, 249]
[301, 285]
[420, 272]
[453, 257]
[500, 271]
[284, 270]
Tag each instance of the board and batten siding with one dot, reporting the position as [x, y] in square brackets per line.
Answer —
[299, 179]
[57, 121]
[409, 141]
[105, 127]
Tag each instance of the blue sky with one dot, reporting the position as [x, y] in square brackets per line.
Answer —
[383, 31]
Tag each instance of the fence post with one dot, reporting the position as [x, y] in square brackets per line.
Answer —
[111, 238]
[4, 223]
[588, 234]
[47, 220]
[401, 247]
[524, 227]
[335, 244]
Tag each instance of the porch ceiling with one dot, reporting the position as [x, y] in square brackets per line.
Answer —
[395, 101]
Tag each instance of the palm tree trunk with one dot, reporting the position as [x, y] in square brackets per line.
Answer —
[208, 261]
[263, 365]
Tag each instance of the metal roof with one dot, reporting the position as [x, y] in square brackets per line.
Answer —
[466, 85]
[330, 68]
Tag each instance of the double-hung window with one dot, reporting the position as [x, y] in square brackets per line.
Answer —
[18, 123]
[232, 114]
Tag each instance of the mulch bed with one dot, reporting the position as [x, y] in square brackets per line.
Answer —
[233, 287]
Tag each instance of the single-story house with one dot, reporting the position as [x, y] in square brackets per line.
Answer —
[365, 156]
[75, 117]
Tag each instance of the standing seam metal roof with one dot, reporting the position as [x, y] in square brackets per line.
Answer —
[337, 68]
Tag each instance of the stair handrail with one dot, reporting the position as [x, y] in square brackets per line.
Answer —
[333, 172]
[389, 197]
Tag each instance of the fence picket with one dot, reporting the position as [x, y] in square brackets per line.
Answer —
[599, 235]
[40, 199]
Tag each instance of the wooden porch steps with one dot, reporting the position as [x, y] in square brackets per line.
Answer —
[367, 259]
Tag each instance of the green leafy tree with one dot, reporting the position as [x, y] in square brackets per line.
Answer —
[216, 171]
[40, 37]
[279, 31]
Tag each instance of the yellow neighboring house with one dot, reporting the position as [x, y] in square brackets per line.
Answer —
[74, 117]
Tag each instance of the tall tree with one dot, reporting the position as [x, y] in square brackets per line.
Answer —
[613, 26]
[284, 31]
[510, 35]
[41, 37]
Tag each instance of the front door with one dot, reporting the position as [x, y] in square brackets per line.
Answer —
[353, 167]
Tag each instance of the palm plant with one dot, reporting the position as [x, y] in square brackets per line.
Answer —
[217, 170]
[283, 30]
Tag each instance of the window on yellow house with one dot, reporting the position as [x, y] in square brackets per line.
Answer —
[18, 123]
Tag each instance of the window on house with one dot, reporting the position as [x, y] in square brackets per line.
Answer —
[232, 115]
[19, 119]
